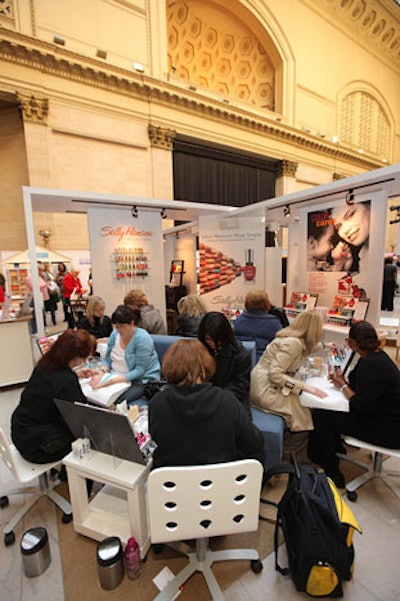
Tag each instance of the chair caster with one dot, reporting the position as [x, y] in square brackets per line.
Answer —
[4, 502]
[66, 518]
[352, 495]
[9, 538]
[157, 548]
[256, 565]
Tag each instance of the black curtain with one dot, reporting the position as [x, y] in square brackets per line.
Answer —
[218, 175]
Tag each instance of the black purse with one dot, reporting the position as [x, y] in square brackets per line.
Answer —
[150, 388]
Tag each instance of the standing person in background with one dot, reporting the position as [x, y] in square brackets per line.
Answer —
[2, 296]
[256, 322]
[2, 282]
[51, 304]
[150, 317]
[275, 387]
[72, 284]
[61, 273]
[389, 284]
[95, 321]
[44, 291]
[191, 310]
[233, 361]
[90, 282]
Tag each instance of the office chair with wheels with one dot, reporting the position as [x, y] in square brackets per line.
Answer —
[200, 502]
[25, 472]
[374, 470]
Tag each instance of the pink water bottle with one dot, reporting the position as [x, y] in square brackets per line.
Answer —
[132, 559]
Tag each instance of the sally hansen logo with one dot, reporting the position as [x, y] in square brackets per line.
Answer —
[123, 232]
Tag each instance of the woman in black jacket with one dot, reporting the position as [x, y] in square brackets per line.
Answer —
[37, 428]
[194, 422]
[233, 361]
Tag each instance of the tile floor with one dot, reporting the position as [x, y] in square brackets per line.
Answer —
[376, 576]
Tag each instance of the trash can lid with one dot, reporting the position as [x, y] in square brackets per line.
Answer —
[33, 540]
[109, 550]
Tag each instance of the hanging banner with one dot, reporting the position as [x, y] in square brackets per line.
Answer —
[230, 259]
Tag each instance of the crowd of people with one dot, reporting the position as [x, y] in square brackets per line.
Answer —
[210, 382]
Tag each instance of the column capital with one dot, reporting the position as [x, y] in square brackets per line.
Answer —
[33, 108]
[286, 168]
[161, 137]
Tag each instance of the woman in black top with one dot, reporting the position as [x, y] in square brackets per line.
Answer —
[373, 392]
[37, 428]
[233, 361]
[194, 422]
[96, 322]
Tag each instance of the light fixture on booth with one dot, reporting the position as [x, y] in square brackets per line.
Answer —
[286, 211]
[350, 197]
[177, 235]
[397, 216]
[134, 211]
[163, 214]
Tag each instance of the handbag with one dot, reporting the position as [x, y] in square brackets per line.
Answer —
[150, 388]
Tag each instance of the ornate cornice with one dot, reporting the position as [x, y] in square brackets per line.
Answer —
[286, 168]
[33, 108]
[161, 137]
[19, 50]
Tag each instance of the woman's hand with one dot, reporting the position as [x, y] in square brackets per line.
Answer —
[337, 379]
[321, 394]
[85, 372]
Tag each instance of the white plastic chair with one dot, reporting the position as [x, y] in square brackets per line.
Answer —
[25, 472]
[373, 470]
[200, 502]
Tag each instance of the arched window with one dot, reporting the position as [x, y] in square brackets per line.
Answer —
[364, 123]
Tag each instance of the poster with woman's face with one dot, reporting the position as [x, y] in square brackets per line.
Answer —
[337, 238]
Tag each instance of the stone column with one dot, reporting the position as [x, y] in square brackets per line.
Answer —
[286, 177]
[34, 112]
[161, 142]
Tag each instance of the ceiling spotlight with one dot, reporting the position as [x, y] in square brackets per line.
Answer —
[286, 211]
[163, 214]
[350, 197]
[134, 211]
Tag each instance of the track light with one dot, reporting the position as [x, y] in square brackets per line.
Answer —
[350, 197]
[134, 211]
[138, 67]
[286, 211]
[57, 39]
[163, 214]
[177, 235]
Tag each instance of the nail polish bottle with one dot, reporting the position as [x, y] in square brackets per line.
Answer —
[249, 271]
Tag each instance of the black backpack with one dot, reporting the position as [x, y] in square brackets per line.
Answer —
[318, 528]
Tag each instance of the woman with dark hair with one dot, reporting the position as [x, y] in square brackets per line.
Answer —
[256, 322]
[194, 422]
[61, 273]
[233, 361]
[373, 392]
[130, 357]
[37, 428]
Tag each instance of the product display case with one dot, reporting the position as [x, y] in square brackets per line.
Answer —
[300, 301]
[346, 310]
[16, 277]
[130, 263]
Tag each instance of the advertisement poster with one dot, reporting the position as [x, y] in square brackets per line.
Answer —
[337, 238]
[230, 259]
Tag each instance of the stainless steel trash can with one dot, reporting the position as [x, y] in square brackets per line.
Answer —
[35, 550]
[110, 562]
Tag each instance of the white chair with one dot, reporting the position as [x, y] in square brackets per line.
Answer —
[200, 502]
[373, 470]
[25, 472]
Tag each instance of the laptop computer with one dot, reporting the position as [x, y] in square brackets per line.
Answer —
[108, 431]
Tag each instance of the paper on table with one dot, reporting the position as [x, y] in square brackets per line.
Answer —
[335, 401]
[106, 396]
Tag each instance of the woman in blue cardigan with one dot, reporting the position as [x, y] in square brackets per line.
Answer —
[131, 355]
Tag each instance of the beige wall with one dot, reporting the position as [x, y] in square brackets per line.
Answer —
[94, 135]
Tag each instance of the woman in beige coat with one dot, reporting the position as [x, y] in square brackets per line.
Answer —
[274, 385]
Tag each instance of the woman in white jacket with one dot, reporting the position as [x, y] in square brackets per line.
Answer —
[274, 385]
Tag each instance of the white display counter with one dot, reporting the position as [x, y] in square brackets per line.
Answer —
[16, 357]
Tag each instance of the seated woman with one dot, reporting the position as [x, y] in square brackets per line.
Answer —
[191, 310]
[373, 392]
[150, 317]
[194, 422]
[274, 385]
[233, 361]
[256, 323]
[96, 322]
[37, 428]
[130, 357]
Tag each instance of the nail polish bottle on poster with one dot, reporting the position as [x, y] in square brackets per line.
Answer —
[249, 271]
